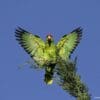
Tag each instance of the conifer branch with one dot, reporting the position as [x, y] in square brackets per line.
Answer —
[70, 81]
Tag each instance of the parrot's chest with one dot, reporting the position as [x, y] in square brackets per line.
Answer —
[50, 54]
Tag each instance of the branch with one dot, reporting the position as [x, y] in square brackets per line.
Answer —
[70, 81]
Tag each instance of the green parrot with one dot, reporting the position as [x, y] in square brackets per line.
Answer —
[46, 53]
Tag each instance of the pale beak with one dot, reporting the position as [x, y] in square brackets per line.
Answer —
[49, 37]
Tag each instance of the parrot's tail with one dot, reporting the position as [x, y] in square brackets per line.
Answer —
[49, 74]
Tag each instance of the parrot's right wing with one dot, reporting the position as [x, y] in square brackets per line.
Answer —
[32, 44]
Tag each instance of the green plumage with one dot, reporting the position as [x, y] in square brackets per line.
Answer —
[46, 54]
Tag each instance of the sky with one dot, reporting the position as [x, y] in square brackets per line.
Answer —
[40, 17]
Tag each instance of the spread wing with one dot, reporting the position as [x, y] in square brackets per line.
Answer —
[32, 44]
[68, 43]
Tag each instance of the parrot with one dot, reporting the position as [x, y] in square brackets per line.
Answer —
[46, 53]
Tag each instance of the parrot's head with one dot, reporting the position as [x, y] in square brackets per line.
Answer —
[49, 39]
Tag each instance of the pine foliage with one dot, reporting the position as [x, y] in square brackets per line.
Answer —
[70, 81]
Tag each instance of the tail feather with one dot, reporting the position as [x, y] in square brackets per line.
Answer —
[48, 78]
[49, 71]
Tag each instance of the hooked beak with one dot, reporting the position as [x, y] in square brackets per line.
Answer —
[49, 38]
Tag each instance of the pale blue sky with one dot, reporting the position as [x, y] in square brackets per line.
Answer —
[40, 17]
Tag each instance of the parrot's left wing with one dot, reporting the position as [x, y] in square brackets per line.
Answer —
[68, 43]
[32, 44]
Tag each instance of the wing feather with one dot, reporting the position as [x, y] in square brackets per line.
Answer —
[32, 44]
[68, 43]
